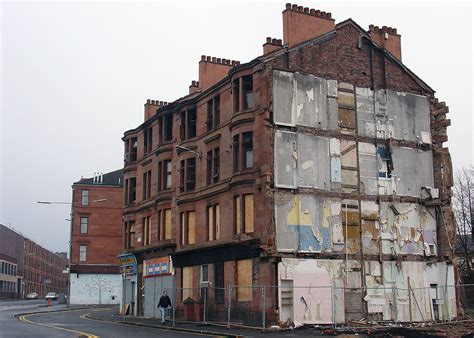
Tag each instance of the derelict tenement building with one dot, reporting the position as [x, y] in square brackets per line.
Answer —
[319, 163]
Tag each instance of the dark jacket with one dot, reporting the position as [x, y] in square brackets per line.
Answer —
[164, 302]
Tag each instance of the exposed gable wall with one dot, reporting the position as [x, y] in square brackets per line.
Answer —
[340, 58]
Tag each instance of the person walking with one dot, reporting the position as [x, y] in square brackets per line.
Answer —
[163, 304]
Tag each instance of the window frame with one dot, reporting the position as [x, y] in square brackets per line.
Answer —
[85, 195]
[82, 253]
[86, 225]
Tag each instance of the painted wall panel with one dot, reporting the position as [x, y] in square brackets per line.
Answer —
[285, 159]
[410, 114]
[95, 288]
[311, 101]
[284, 105]
[307, 223]
[313, 161]
[413, 169]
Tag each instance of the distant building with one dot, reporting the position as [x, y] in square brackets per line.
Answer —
[318, 169]
[44, 270]
[27, 267]
[11, 263]
[96, 239]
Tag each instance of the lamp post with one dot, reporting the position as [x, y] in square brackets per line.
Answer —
[70, 237]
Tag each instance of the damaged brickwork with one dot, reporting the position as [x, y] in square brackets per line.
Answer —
[330, 199]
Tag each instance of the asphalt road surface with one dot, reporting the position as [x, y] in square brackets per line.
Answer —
[67, 324]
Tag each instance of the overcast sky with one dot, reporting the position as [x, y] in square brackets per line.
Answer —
[75, 76]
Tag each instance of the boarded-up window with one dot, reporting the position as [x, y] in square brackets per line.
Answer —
[183, 227]
[191, 227]
[210, 223]
[217, 211]
[187, 282]
[213, 222]
[248, 213]
[167, 224]
[237, 215]
[244, 280]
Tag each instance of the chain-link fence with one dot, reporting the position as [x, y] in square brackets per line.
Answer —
[286, 305]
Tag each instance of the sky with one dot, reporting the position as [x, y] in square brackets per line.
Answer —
[75, 76]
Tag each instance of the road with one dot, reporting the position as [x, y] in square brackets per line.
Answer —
[66, 324]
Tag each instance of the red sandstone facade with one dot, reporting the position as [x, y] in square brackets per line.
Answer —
[96, 234]
[224, 218]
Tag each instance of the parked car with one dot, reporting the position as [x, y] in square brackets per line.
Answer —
[32, 295]
[52, 296]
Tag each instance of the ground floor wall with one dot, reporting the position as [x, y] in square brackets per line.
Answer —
[95, 288]
[322, 291]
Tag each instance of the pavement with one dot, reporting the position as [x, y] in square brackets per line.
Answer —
[111, 315]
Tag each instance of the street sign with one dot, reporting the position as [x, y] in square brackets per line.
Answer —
[47, 281]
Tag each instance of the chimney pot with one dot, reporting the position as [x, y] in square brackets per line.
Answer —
[279, 42]
[219, 60]
[312, 11]
[148, 101]
[274, 41]
[203, 57]
[269, 39]
[294, 7]
[300, 9]
[288, 6]
[197, 83]
[306, 10]
[237, 63]
[208, 58]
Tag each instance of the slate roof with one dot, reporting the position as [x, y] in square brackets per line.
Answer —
[112, 178]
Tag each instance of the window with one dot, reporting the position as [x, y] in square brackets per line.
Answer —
[84, 225]
[129, 235]
[147, 230]
[164, 224]
[132, 197]
[187, 175]
[188, 227]
[213, 166]
[247, 89]
[147, 185]
[165, 126]
[188, 124]
[236, 152]
[204, 273]
[244, 213]
[384, 162]
[85, 197]
[133, 149]
[213, 222]
[82, 253]
[244, 101]
[236, 95]
[164, 175]
[244, 280]
[147, 140]
[248, 149]
[246, 162]
[213, 113]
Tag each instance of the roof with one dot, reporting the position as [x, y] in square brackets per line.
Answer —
[111, 178]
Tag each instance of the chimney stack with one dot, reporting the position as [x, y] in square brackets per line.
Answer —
[194, 87]
[151, 106]
[387, 37]
[272, 45]
[302, 23]
[212, 70]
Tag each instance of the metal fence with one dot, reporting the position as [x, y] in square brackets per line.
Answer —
[262, 306]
